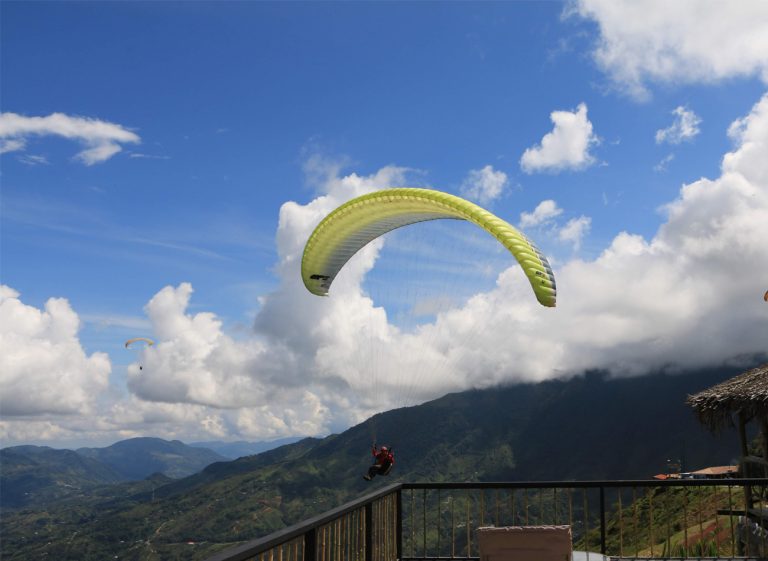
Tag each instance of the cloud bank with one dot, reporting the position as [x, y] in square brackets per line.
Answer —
[668, 301]
[671, 301]
[689, 296]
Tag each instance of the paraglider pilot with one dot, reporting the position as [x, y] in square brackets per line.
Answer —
[384, 459]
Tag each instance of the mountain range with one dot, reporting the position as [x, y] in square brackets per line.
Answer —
[37, 475]
[589, 427]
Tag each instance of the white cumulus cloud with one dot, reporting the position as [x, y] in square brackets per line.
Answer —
[193, 361]
[544, 212]
[484, 185]
[685, 41]
[101, 139]
[566, 147]
[685, 127]
[575, 230]
[43, 367]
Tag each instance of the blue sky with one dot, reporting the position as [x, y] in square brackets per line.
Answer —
[163, 162]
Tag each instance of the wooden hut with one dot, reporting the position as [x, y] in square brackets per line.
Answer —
[736, 402]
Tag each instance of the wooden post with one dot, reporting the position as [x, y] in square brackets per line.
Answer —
[310, 545]
[743, 434]
[764, 430]
[399, 525]
[369, 532]
[744, 454]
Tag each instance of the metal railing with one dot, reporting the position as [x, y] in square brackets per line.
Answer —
[672, 519]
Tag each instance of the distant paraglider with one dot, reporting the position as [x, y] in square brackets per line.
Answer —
[130, 342]
[136, 341]
[765, 296]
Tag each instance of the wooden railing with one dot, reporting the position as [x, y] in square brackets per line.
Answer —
[688, 518]
[367, 529]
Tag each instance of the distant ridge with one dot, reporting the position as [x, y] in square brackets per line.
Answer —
[240, 448]
[136, 458]
[40, 474]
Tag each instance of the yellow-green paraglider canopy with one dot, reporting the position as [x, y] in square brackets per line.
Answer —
[357, 222]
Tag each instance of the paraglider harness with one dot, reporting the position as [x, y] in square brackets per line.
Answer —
[383, 462]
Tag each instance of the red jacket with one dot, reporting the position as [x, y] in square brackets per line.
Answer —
[383, 457]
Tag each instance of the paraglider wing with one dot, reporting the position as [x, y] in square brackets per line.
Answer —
[129, 342]
[354, 224]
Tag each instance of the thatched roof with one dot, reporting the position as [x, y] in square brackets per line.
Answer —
[746, 393]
